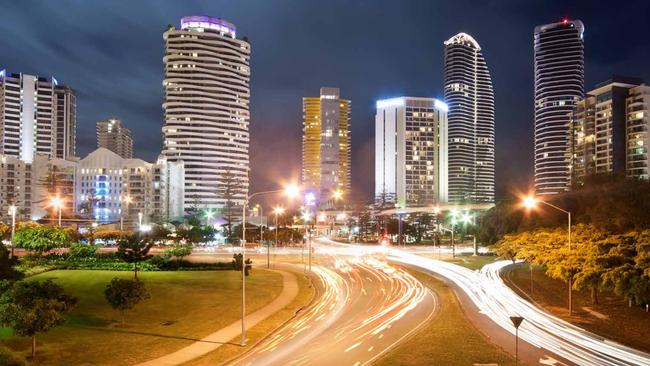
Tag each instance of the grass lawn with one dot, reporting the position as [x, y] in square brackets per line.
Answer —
[256, 333]
[184, 306]
[611, 318]
[470, 261]
[448, 339]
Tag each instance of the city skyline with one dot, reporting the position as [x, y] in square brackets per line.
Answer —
[514, 124]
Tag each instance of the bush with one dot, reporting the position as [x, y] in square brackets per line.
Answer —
[159, 261]
[82, 251]
[41, 239]
[8, 358]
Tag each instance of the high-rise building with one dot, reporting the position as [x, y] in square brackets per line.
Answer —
[411, 152]
[37, 116]
[609, 129]
[326, 144]
[65, 123]
[559, 85]
[470, 97]
[637, 124]
[206, 106]
[15, 188]
[112, 135]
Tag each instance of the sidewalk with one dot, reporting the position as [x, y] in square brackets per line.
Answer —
[225, 335]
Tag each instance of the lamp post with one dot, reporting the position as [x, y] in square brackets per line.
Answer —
[57, 203]
[127, 199]
[400, 213]
[277, 211]
[139, 220]
[261, 213]
[530, 202]
[290, 191]
[12, 212]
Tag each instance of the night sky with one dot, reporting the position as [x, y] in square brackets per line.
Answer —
[111, 52]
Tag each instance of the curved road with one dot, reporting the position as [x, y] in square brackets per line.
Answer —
[495, 299]
[366, 307]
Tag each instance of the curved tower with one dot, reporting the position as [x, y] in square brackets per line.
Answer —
[206, 104]
[559, 85]
[470, 98]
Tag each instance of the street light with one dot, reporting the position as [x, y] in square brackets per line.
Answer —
[290, 191]
[277, 211]
[530, 202]
[139, 220]
[399, 213]
[127, 199]
[261, 214]
[12, 211]
[57, 203]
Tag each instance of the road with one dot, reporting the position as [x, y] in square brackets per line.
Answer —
[493, 298]
[366, 307]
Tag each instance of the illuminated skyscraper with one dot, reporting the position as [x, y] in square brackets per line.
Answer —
[559, 85]
[206, 105]
[326, 144]
[112, 135]
[37, 116]
[411, 152]
[469, 95]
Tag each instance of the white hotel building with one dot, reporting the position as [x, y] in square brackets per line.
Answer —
[206, 105]
[109, 187]
[411, 151]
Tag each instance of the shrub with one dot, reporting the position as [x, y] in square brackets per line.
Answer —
[41, 239]
[8, 358]
[82, 251]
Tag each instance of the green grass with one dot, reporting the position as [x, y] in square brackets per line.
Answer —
[184, 307]
[255, 334]
[472, 262]
[623, 324]
[448, 339]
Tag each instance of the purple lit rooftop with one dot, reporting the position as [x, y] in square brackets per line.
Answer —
[208, 23]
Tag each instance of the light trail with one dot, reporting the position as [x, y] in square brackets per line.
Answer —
[496, 300]
[353, 322]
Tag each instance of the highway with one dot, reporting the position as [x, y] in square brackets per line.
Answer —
[366, 307]
[497, 301]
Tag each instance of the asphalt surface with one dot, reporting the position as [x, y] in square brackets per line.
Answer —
[365, 308]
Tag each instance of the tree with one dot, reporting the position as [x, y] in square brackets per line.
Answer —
[134, 249]
[227, 190]
[31, 307]
[40, 239]
[124, 294]
[7, 263]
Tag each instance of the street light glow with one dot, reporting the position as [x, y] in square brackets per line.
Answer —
[467, 218]
[306, 216]
[292, 190]
[529, 202]
[278, 210]
[56, 202]
[337, 195]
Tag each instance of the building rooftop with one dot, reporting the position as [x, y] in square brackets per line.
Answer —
[202, 23]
